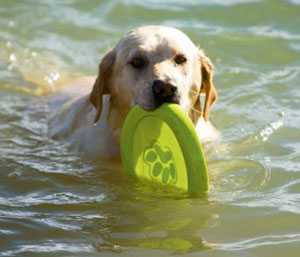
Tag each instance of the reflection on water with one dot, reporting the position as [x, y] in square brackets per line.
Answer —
[58, 203]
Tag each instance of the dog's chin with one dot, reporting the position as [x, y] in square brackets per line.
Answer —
[157, 103]
[148, 106]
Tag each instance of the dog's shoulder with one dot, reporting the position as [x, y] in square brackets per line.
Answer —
[73, 124]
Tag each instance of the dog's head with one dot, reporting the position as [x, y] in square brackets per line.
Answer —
[150, 66]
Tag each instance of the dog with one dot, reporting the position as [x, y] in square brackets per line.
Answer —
[150, 65]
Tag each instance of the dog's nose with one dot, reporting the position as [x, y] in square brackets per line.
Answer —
[164, 91]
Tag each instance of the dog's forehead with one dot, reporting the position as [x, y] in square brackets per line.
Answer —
[158, 39]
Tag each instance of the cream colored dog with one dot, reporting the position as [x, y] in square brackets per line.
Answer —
[149, 66]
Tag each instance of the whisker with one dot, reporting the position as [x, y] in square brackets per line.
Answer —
[197, 92]
[194, 91]
[195, 110]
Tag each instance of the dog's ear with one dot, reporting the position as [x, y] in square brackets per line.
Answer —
[207, 86]
[101, 84]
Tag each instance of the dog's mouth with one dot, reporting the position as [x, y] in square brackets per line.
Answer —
[157, 102]
[170, 99]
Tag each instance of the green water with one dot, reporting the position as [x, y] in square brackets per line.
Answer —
[56, 203]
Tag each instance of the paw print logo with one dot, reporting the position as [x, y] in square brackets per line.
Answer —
[161, 163]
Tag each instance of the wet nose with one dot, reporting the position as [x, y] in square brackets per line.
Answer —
[164, 91]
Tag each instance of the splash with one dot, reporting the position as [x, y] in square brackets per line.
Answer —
[269, 130]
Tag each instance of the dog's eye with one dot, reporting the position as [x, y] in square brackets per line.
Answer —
[180, 59]
[137, 62]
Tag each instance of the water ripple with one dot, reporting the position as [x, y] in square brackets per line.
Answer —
[262, 241]
[188, 3]
[267, 31]
[50, 247]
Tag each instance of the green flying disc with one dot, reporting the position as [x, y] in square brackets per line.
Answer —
[163, 146]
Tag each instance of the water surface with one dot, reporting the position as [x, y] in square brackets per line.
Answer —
[57, 203]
